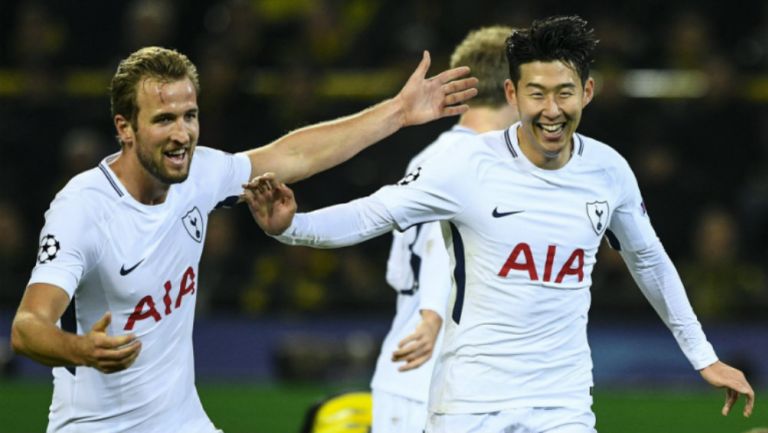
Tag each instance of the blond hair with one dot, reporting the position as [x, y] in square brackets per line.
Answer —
[156, 63]
[484, 51]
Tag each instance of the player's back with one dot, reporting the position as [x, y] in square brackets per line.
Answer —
[417, 262]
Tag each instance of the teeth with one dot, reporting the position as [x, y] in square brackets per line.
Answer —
[552, 128]
[177, 152]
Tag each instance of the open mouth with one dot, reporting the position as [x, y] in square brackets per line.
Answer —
[552, 131]
[177, 157]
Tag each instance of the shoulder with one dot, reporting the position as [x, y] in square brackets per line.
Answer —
[599, 154]
[88, 201]
[447, 141]
[208, 162]
[207, 155]
[88, 192]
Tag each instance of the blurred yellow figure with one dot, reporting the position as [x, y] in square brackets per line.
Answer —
[344, 413]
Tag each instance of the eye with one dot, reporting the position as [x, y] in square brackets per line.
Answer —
[163, 119]
[566, 94]
[192, 115]
[536, 95]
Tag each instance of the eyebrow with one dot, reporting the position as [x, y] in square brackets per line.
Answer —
[557, 87]
[166, 114]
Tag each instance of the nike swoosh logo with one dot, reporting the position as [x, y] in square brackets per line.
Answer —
[497, 214]
[125, 272]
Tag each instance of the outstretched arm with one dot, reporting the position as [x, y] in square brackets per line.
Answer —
[315, 148]
[656, 276]
[35, 334]
[274, 209]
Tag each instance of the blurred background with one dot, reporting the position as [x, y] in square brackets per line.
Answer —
[682, 94]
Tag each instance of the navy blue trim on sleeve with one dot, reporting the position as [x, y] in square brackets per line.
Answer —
[459, 273]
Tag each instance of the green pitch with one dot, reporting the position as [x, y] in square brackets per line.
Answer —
[255, 408]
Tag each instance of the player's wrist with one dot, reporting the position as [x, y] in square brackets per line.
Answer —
[431, 318]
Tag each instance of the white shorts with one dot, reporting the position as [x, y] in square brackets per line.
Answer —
[523, 420]
[397, 414]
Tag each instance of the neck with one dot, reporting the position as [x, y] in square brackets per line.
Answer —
[484, 119]
[541, 159]
[139, 183]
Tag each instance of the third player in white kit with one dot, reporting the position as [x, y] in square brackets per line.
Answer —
[418, 265]
[523, 211]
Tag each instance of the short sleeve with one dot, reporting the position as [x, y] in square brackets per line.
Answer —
[69, 244]
[222, 174]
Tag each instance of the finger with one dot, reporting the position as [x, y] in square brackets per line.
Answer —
[120, 353]
[401, 354]
[129, 362]
[414, 353]
[101, 324]
[730, 399]
[261, 179]
[255, 184]
[117, 341]
[454, 110]
[421, 70]
[264, 176]
[452, 74]
[284, 190]
[459, 97]
[750, 403]
[257, 195]
[416, 363]
[408, 339]
[460, 85]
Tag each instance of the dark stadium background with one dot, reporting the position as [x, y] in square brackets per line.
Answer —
[682, 94]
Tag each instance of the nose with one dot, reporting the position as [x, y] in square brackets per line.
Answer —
[181, 132]
[551, 108]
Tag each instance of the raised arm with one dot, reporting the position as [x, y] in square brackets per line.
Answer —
[315, 148]
[34, 333]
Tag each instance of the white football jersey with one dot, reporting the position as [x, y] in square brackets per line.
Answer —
[111, 253]
[523, 242]
[418, 269]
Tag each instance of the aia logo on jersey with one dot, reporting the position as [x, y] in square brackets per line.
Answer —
[146, 308]
[193, 222]
[410, 177]
[597, 211]
[521, 259]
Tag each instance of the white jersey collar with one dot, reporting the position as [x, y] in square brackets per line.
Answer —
[513, 145]
[123, 193]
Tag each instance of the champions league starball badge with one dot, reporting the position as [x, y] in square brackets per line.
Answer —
[49, 248]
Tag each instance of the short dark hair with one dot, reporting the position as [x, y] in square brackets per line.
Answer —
[568, 39]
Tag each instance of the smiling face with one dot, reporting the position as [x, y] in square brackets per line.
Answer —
[166, 129]
[550, 99]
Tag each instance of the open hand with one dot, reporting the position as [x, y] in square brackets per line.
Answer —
[271, 202]
[443, 95]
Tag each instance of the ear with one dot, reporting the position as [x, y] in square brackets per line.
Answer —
[509, 92]
[589, 91]
[124, 129]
